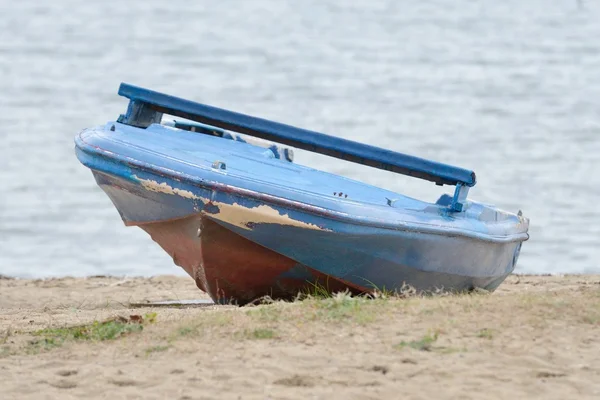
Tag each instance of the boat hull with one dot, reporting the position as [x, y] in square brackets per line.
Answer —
[244, 250]
[232, 269]
[244, 223]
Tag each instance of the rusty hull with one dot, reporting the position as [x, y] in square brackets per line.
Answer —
[232, 269]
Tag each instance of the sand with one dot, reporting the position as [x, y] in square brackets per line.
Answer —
[535, 337]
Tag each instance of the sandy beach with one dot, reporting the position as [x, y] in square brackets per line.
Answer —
[535, 337]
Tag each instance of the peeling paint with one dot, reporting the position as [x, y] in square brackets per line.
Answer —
[164, 187]
[235, 214]
[246, 218]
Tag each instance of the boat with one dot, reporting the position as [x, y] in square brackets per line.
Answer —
[220, 192]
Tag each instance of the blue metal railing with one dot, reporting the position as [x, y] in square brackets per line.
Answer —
[146, 105]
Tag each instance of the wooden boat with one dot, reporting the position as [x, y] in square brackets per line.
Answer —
[221, 194]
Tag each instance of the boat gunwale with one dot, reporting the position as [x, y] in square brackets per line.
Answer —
[339, 216]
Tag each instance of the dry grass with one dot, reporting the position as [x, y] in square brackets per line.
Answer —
[533, 331]
[471, 314]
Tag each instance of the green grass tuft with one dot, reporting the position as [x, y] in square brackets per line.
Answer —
[343, 306]
[257, 333]
[486, 334]
[266, 313]
[263, 333]
[96, 331]
[423, 344]
[150, 317]
[156, 349]
[317, 290]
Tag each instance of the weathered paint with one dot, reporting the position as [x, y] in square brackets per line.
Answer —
[307, 198]
[164, 187]
[248, 217]
[231, 268]
[244, 224]
[435, 252]
[236, 214]
[358, 256]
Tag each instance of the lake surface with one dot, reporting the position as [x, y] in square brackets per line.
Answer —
[509, 89]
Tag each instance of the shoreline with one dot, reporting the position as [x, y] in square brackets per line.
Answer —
[535, 337]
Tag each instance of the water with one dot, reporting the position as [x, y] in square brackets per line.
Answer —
[509, 89]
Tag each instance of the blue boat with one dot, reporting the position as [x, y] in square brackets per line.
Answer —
[219, 191]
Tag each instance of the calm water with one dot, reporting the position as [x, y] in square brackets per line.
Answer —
[510, 89]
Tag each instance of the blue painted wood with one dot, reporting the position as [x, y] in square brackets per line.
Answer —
[441, 174]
